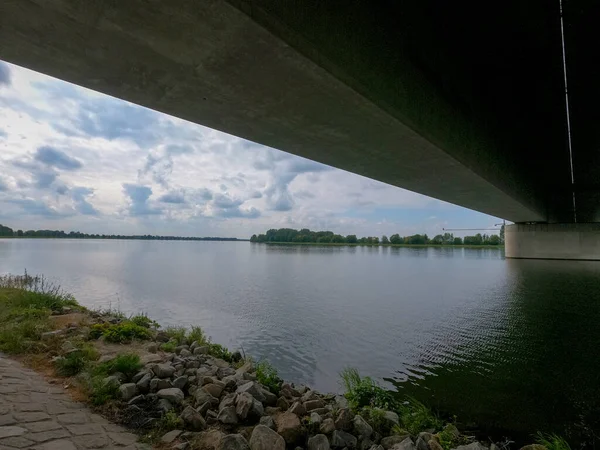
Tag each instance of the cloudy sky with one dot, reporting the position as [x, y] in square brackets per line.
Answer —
[74, 159]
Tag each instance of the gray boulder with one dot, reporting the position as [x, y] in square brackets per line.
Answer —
[184, 353]
[193, 419]
[253, 389]
[163, 370]
[214, 389]
[234, 442]
[344, 420]
[362, 428]
[390, 441]
[227, 416]
[311, 405]
[475, 446]
[170, 436]
[298, 409]
[328, 426]
[164, 405]
[156, 384]
[173, 395]
[243, 404]
[318, 442]
[202, 396]
[263, 438]
[127, 391]
[180, 382]
[143, 384]
[201, 350]
[267, 421]
[289, 427]
[342, 439]
[406, 444]
[270, 398]
[315, 419]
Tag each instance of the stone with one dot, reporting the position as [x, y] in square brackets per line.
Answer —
[51, 335]
[203, 408]
[201, 350]
[479, 446]
[289, 427]
[156, 384]
[228, 416]
[234, 442]
[406, 444]
[377, 447]
[283, 403]
[309, 396]
[138, 376]
[243, 404]
[298, 409]
[170, 437]
[164, 405]
[263, 438]
[163, 370]
[184, 353]
[180, 382]
[315, 419]
[201, 396]
[311, 405]
[173, 395]
[270, 398]
[11, 431]
[530, 447]
[344, 420]
[288, 391]
[253, 388]
[138, 399]
[267, 421]
[421, 444]
[328, 426]
[162, 336]
[193, 419]
[318, 442]
[150, 358]
[143, 384]
[225, 372]
[342, 439]
[391, 418]
[257, 409]
[112, 379]
[127, 391]
[390, 441]
[152, 347]
[435, 445]
[214, 389]
[452, 430]
[361, 427]
[182, 446]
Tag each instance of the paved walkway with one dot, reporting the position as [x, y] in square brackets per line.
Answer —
[37, 415]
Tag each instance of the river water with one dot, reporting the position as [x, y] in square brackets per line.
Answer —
[512, 345]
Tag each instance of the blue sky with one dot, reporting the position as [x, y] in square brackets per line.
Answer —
[74, 159]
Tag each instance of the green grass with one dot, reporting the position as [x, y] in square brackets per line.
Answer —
[99, 392]
[179, 334]
[142, 320]
[267, 375]
[128, 364]
[75, 362]
[169, 347]
[122, 332]
[552, 441]
[416, 417]
[196, 334]
[364, 391]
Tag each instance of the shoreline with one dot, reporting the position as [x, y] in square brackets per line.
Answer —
[343, 244]
[174, 386]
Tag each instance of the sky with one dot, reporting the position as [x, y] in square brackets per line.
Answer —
[76, 160]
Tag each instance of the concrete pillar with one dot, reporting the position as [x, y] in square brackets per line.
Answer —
[553, 241]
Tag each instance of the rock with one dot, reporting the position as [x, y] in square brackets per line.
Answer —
[344, 420]
[184, 353]
[203, 408]
[127, 391]
[201, 351]
[365, 444]
[138, 399]
[193, 419]
[267, 421]
[253, 388]
[143, 384]
[311, 405]
[377, 447]
[243, 404]
[318, 442]
[434, 445]
[156, 384]
[112, 379]
[202, 396]
[228, 416]
[138, 376]
[298, 409]
[479, 446]
[227, 400]
[531, 447]
[257, 409]
[288, 391]
[283, 403]
[452, 430]
[421, 444]
[164, 405]
[315, 419]
[163, 370]
[162, 336]
[391, 418]
[225, 372]
[362, 428]
[214, 389]
[51, 335]
[406, 444]
[341, 401]
[390, 441]
[67, 347]
[236, 356]
[149, 358]
[342, 439]
[182, 446]
[289, 427]
[328, 426]
[270, 398]
[234, 442]
[170, 437]
[152, 347]
[263, 438]
[173, 395]
[180, 382]
[309, 396]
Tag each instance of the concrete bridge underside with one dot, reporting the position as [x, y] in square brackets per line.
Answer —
[460, 101]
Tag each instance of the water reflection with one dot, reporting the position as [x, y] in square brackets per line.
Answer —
[527, 362]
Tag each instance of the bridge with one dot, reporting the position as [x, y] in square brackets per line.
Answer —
[461, 101]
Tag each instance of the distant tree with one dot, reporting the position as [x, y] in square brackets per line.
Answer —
[351, 239]
[494, 239]
[254, 238]
[457, 241]
[19, 233]
[6, 231]
[438, 239]
[385, 240]
[375, 240]
[338, 239]
[448, 239]
[396, 239]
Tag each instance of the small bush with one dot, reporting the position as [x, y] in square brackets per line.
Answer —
[219, 351]
[126, 332]
[196, 334]
[100, 392]
[144, 321]
[552, 441]
[128, 364]
[267, 375]
[179, 334]
[20, 336]
[98, 330]
[417, 417]
[376, 418]
[74, 362]
[169, 347]
[170, 421]
[364, 391]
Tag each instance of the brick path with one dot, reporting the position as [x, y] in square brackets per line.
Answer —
[37, 415]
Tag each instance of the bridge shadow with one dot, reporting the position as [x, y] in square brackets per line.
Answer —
[527, 363]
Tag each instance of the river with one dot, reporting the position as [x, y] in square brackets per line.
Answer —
[511, 345]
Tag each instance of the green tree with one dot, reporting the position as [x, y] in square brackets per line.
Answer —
[438, 239]
[385, 240]
[351, 239]
[396, 239]
[494, 239]
[457, 241]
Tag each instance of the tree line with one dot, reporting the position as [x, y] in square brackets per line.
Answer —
[289, 235]
[59, 234]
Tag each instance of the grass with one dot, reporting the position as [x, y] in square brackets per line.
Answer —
[76, 361]
[122, 332]
[169, 347]
[181, 336]
[364, 391]
[552, 441]
[267, 375]
[128, 364]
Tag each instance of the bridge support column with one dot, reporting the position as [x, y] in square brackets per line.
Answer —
[553, 241]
